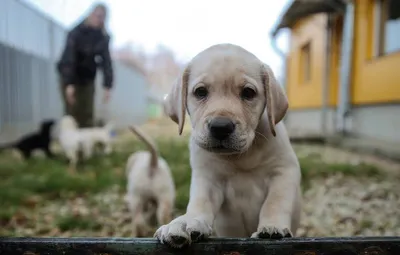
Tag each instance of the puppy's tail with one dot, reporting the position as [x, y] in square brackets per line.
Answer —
[150, 145]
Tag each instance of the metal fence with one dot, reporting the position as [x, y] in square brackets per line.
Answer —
[30, 45]
[144, 246]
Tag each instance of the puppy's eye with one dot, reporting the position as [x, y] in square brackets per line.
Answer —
[200, 92]
[248, 93]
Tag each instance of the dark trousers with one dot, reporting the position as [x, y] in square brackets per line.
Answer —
[83, 108]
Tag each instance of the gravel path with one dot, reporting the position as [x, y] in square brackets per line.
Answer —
[349, 206]
[343, 206]
[336, 205]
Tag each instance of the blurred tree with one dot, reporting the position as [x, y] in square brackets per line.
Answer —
[160, 68]
[133, 56]
[164, 68]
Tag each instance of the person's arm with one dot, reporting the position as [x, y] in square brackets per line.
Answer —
[107, 65]
[68, 60]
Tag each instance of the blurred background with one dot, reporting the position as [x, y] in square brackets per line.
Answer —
[149, 46]
[338, 61]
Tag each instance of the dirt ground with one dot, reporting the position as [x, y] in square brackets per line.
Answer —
[341, 205]
[344, 193]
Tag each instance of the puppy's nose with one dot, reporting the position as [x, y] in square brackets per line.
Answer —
[221, 127]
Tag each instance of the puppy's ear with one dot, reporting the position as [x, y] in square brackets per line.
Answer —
[175, 102]
[276, 100]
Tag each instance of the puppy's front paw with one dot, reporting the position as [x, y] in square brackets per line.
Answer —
[182, 231]
[272, 233]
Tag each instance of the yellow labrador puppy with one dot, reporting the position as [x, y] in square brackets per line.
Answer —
[245, 174]
[149, 182]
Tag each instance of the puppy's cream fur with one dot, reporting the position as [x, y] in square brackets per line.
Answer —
[72, 139]
[101, 135]
[149, 179]
[247, 185]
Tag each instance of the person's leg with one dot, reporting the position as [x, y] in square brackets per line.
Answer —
[90, 103]
[67, 107]
[85, 104]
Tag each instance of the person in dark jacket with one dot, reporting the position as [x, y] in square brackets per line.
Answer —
[86, 49]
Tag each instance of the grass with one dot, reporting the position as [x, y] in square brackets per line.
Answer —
[313, 167]
[71, 222]
[28, 185]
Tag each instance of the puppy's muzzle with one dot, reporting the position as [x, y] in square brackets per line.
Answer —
[221, 128]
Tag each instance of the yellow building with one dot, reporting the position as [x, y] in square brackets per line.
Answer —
[343, 68]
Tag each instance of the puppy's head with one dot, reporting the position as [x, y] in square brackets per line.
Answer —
[46, 125]
[226, 90]
[67, 122]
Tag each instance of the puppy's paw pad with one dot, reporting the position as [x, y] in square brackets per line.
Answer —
[178, 241]
[174, 241]
[172, 238]
[272, 233]
[182, 232]
[196, 236]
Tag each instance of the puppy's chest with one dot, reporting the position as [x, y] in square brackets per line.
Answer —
[245, 190]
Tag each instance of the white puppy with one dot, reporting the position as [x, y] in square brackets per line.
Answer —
[245, 174]
[72, 139]
[101, 135]
[149, 180]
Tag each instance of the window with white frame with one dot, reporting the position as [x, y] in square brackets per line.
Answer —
[387, 27]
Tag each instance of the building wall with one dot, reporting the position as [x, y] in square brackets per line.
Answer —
[305, 97]
[380, 122]
[30, 45]
[24, 28]
[335, 58]
[375, 93]
[308, 94]
[375, 79]
[375, 90]
[303, 92]
[29, 91]
[308, 122]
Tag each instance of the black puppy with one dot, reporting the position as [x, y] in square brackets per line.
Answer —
[38, 140]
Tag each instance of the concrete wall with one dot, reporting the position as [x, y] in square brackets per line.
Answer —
[369, 122]
[308, 122]
[377, 122]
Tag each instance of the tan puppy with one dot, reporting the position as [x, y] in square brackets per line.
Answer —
[245, 174]
[149, 182]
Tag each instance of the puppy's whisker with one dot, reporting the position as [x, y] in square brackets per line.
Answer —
[242, 153]
[263, 136]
